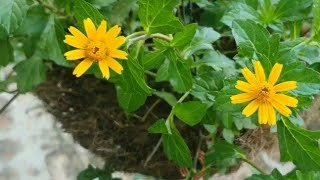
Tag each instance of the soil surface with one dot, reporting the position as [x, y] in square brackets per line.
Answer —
[87, 108]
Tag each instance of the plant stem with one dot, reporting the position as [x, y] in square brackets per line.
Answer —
[9, 102]
[254, 166]
[169, 118]
[136, 34]
[161, 36]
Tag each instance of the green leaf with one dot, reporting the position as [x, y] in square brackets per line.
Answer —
[228, 135]
[275, 175]
[176, 149]
[132, 90]
[156, 16]
[202, 41]
[239, 11]
[181, 39]
[253, 39]
[316, 20]
[91, 173]
[30, 73]
[34, 22]
[118, 11]
[190, 112]
[6, 50]
[219, 62]
[83, 10]
[308, 79]
[176, 71]
[168, 97]
[223, 155]
[49, 43]
[159, 127]
[12, 13]
[153, 60]
[299, 145]
[288, 10]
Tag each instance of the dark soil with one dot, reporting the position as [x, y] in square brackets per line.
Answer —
[87, 108]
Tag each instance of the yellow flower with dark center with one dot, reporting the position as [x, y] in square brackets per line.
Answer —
[99, 46]
[265, 95]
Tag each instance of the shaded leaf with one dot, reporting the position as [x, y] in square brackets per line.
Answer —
[190, 112]
[6, 50]
[159, 127]
[12, 13]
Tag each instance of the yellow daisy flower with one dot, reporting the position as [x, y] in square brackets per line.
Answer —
[100, 46]
[265, 95]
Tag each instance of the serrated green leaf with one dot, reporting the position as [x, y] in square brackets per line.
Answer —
[159, 127]
[176, 149]
[6, 50]
[288, 10]
[12, 13]
[168, 97]
[156, 16]
[239, 11]
[153, 60]
[30, 73]
[190, 112]
[299, 145]
[202, 41]
[49, 44]
[254, 40]
[181, 39]
[228, 135]
[223, 155]
[83, 10]
[132, 90]
[176, 71]
[218, 62]
[308, 79]
[294, 175]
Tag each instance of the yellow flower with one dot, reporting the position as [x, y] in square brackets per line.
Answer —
[264, 94]
[100, 46]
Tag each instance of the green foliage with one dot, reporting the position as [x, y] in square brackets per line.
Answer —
[299, 145]
[132, 90]
[32, 67]
[174, 51]
[156, 16]
[190, 112]
[12, 13]
[176, 149]
[91, 173]
[223, 155]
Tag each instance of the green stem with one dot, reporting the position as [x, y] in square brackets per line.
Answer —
[161, 36]
[136, 34]
[254, 166]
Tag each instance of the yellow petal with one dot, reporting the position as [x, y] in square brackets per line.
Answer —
[78, 34]
[275, 74]
[285, 86]
[114, 65]
[75, 42]
[263, 113]
[245, 87]
[82, 67]
[259, 72]
[118, 54]
[281, 108]
[241, 98]
[272, 115]
[287, 100]
[103, 65]
[113, 32]
[249, 76]
[75, 54]
[251, 108]
[90, 28]
[102, 29]
[116, 42]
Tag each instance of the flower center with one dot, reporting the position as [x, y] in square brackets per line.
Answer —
[96, 50]
[264, 93]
